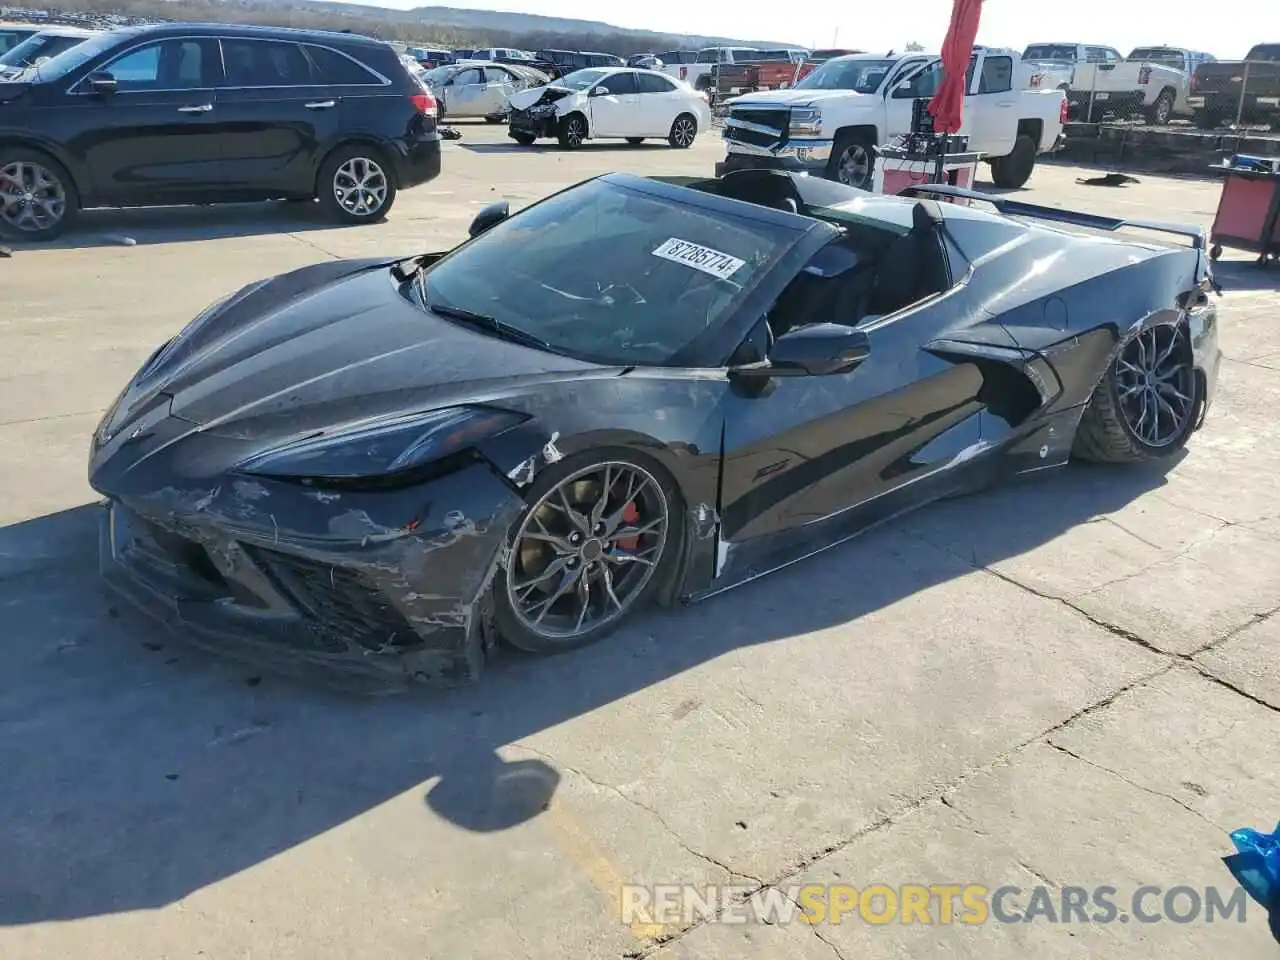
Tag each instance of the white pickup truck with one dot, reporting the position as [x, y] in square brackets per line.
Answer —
[1152, 81]
[831, 121]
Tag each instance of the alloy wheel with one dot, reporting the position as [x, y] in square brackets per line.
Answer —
[360, 186]
[32, 197]
[683, 131]
[1156, 385]
[574, 132]
[854, 168]
[1163, 109]
[586, 550]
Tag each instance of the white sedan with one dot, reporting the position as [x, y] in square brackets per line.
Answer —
[603, 102]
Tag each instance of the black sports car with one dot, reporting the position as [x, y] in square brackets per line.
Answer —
[633, 390]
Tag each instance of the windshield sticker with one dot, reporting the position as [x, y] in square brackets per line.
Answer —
[700, 258]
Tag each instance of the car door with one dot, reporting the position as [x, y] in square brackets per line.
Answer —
[500, 84]
[465, 93]
[991, 103]
[614, 106]
[808, 448]
[659, 102]
[922, 84]
[156, 138]
[276, 115]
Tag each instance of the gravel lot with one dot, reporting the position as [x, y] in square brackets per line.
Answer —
[1068, 682]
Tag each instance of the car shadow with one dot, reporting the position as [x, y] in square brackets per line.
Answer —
[146, 226]
[144, 770]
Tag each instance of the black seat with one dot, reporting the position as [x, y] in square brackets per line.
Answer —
[914, 266]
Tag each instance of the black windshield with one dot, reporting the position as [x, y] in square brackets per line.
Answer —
[611, 274]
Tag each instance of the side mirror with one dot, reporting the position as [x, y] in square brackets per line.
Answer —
[599, 92]
[489, 217]
[103, 83]
[818, 350]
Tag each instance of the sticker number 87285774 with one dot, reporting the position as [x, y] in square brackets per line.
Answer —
[694, 255]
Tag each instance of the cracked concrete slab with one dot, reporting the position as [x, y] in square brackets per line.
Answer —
[1200, 596]
[1249, 661]
[804, 766]
[1185, 738]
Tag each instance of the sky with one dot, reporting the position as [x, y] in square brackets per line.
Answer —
[1225, 28]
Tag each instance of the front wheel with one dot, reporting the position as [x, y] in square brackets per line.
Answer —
[599, 534]
[524, 139]
[684, 129]
[853, 160]
[356, 185]
[38, 200]
[573, 130]
[1147, 403]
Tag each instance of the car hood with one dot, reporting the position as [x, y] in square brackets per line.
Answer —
[524, 99]
[325, 345]
[796, 98]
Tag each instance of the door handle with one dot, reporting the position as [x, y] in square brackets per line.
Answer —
[202, 108]
[321, 104]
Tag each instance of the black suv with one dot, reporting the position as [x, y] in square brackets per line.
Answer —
[209, 113]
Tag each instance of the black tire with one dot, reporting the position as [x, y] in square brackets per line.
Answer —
[573, 130]
[1161, 112]
[1215, 252]
[684, 130]
[55, 181]
[1014, 170]
[635, 141]
[1204, 120]
[1105, 434]
[359, 156]
[511, 626]
[861, 165]
[524, 139]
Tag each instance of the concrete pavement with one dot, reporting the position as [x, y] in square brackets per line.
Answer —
[1065, 683]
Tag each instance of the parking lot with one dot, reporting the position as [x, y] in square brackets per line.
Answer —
[1071, 682]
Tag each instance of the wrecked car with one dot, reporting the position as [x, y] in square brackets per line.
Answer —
[636, 390]
[609, 102]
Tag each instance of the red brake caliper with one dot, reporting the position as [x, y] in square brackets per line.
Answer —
[629, 516]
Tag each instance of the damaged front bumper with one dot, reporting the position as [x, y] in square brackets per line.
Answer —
[385, 586]
[538, 121]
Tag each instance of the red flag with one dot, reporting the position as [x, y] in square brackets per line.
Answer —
[947, 105]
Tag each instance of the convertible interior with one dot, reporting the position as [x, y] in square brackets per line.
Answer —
[869, 272]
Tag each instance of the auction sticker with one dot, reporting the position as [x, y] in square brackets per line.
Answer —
[700, 258]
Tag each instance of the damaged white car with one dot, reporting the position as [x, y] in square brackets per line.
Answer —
[610, 102]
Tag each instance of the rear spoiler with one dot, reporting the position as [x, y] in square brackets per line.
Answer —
[1016, 208]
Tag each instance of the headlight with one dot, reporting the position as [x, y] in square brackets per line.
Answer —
[805, 122]
[382, 447]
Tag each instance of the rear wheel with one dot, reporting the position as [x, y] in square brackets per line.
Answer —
[524, 139]
[573, 130]
[356, 185]
[635, 140]
[1014, 170]
[684, 130]
[1147, 403]
[38, 200]
[599, 533]
[1161, 111]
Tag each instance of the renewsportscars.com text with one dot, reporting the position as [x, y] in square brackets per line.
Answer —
[940, 904]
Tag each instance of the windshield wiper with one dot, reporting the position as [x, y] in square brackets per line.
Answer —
[499, 328]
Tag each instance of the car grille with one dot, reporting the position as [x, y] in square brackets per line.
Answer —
[345, 606]
[757, 127]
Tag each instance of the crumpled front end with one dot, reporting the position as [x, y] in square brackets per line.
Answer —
[386, 585]
[536, 116]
